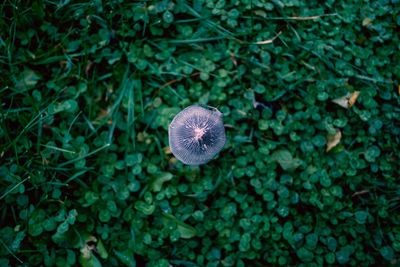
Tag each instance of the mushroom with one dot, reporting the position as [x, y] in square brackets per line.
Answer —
[196, 134]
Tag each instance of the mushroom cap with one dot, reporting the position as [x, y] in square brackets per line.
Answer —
[196, 134]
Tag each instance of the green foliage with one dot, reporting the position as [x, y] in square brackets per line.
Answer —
[88, 89]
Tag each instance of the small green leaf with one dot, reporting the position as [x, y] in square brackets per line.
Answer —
[263, 125]
[305, 255]
[268, 196]
[343, 255]
[297, 237]
[72, 216]
[331, 243]
[287, 231]
[283, 192]
[91, 261]
[325, 181]
[71, 258]
[104, 215]
[186, 231]
[17, 241]
[318, 141]
[147, 209]
[330, 258]
[361, 216]
[63, 227]
[372, 153]
[49, 224]
[244, 244]
[101, 250]
[387, 253]
[112, 206]
[283, 211]
[37, 95]
[168, 17]
[322, 96]
[114, 57]
[70, 105]
[126, 257]
[311, 241]
[35, 229]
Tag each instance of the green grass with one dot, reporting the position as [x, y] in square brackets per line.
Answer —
[88, 89]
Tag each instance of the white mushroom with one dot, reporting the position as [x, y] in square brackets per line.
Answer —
[196, 134]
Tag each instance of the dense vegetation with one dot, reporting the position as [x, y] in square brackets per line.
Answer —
[310, 95]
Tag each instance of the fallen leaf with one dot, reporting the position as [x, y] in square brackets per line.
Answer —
[268, 41]
[260, 13]
[366, 22]
[102, 114]
[353, 98]
[398, 88]
[286, 160]
[360, 193]
[333, 140]
[348, 100]
[233, 59]
[167, 150]
[88, 67]
[342, 101]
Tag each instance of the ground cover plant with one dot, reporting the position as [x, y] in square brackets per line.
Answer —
[310, 172]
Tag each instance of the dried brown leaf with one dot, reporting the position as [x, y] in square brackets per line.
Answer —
[269, 41]
[353, 98]
[333, 140]
[348, 100]
[360, 192]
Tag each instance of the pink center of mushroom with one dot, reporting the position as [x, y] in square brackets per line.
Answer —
[198, 133]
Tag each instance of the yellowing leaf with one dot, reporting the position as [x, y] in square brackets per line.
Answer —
[286, 160]
[167, 150]
[348, 100]
[159, 180]
[366, 22]
[28, 80]
[353, 98]
[333, 140]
